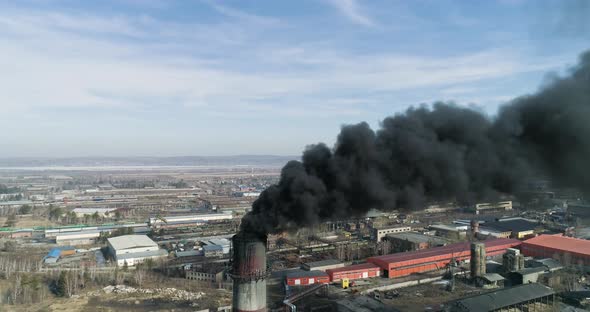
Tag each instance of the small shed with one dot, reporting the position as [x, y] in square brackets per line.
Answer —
[526, 276]
[490, 280]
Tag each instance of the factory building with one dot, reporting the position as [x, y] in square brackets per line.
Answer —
[134, 249]
[77, 238]
[103, 212]
[406, 263]
[305, 278]
[458, 231]
[197, 217]
[484, 208]
[212, 251]
[526, 275]
[223, 242]
[322, 265]
[568, 250]
[517, 227]
[22, 233]
[409, 241]
[357, 271]
[379, 233]
[528, 297]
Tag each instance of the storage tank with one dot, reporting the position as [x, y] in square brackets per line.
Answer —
[249, 272]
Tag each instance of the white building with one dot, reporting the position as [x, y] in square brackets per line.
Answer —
[223, 242]
[77, 238]
[103, 212]
[493, 207]
[379, 233]
[134, 249]
[196, 217]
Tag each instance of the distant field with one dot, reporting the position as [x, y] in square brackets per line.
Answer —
[29, 221]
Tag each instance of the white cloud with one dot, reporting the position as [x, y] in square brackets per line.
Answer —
[68, 66]
[352, 10]
[244, 16]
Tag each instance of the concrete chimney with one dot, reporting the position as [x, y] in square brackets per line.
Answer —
[249, 272]
[478, 260]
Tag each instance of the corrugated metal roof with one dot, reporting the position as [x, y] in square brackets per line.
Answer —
[219, 241]
[93, 210]
[493, 277]
[143, 254]
[301, 273]
[449, 249]
[212, 248]
[322, 263]
[516, 225]
[504, 297]
[356, 267]
[54, 253]
[188, 253]
[415, 237]
[559, 242]
[131, 241]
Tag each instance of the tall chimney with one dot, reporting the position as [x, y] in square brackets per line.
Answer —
[474, 228]
[478, 260]
[249, 272]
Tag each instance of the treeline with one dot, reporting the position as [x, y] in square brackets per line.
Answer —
[8, 190]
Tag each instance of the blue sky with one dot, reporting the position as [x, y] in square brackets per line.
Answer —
[163, 78]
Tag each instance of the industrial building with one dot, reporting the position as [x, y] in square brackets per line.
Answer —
[55, 253]
[134, 249]
[212, 251]
[526, 275]
[322, 265]
[379, 233]
[458, 231]
[516, 227]
[223, 242]
[207, 217]
[305, 278]
[409, 241]
[77, 238]
[527, 297]
[22, 233]
[483, 208]
[402, 264]
[567, 250]
[103, 212]
[364, 270]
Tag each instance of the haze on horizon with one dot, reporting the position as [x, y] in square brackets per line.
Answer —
[170, 78]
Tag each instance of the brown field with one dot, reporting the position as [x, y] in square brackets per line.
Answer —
[29, 221]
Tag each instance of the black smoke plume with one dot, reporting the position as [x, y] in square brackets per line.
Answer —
[443, 153]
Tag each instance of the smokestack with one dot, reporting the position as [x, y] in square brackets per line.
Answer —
[249, 272]
[474, 227]
[478, 260]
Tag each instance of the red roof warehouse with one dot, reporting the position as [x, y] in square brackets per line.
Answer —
[304, 278]
[356, 271]
[406, 263]
[568, 250]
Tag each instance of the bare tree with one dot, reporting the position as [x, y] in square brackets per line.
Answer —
[140, 275]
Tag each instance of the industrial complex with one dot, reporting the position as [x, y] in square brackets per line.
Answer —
[451, 259]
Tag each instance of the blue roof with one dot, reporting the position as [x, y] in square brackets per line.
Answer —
[54, 253]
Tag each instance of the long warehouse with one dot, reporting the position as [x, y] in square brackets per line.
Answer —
[568, 250]
[406, 263]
